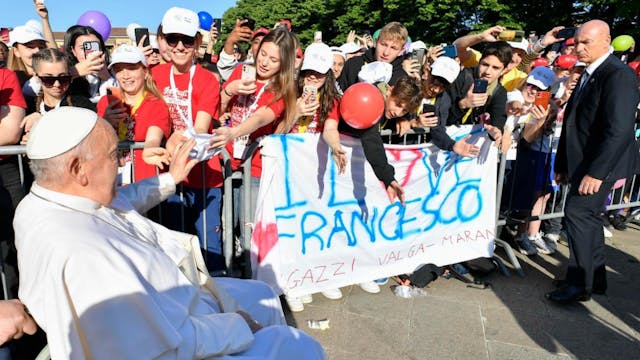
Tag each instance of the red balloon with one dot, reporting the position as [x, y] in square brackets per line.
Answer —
[362, 105]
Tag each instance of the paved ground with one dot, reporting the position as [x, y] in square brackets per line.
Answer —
[510, 320]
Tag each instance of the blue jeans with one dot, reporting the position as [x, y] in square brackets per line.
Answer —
[188, 215]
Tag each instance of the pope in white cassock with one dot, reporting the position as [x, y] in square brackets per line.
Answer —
[104, 282]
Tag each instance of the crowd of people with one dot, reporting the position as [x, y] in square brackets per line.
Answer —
[71, 108]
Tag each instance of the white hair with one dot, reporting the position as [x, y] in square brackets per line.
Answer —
[52, 170]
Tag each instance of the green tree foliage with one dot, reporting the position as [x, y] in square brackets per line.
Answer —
[432, 21]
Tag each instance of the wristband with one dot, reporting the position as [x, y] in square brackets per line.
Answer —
[226, 92]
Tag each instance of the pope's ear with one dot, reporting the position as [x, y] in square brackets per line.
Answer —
[76, 169]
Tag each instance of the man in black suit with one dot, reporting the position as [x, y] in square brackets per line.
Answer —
[597, 147]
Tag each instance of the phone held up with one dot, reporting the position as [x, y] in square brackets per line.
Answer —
[250, 23]
[428, 108]
[566, 33]
[450, 51]
[480, 86]
[511, 35]
[248, 72]
[542, 99]
[140, 32]
[217, 23]
[90, 47]
[313, 91]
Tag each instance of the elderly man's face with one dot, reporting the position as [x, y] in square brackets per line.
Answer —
[102, 166]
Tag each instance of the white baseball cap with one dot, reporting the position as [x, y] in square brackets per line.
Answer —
[59, 131]
[23, 34]
[153, 41]
[180, 21]
[522, 45]
[417, 45]
[446, 68]
[317, 57]
[127, 54]
[350, 47]
[337, 51]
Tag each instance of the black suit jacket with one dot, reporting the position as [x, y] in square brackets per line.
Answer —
[597, 131]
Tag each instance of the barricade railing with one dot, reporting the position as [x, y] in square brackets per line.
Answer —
[627, 196]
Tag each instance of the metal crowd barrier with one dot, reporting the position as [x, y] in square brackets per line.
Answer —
[627, 197]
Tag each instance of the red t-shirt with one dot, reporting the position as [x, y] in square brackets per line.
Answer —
[240, 107]
[205, 96]
[10, 93]
[312, 124]
[151, 112]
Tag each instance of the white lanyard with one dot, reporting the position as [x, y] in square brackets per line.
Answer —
[42, 106]
[188, 117]
[240, 143]
[254, 106]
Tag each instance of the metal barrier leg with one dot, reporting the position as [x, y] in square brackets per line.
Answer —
[228, 240]
[507, 248]
[511, 255]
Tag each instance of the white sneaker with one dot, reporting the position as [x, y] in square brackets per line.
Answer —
[540, 244]
[552, 241]
[606, 232]
[306, 299]
[525, 245]
[295, 303]
[370, 287]
[333, 294]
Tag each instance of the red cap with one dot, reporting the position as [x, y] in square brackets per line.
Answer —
[566, 62]
[570, 41]
[635, 65]
[260, 31]
[539, 62]
[287, 23]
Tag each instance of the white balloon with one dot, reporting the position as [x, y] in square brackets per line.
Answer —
[131, 30]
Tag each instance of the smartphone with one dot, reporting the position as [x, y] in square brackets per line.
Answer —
[450, 51]
[366, 32]
[115, 92]
[140, 32]
[248, 72]
[418, 55]
[250, 23]
[217, 23]
[308, 89]
[90, 47]
[317, 36]
[480, 86]
[428, 108]
[542, 99]
[511, 35]
[566, 33]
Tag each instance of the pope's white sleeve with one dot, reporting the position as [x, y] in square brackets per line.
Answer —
[119, 315]
[147, 193]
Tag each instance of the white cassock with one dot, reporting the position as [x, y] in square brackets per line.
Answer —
[107, 283]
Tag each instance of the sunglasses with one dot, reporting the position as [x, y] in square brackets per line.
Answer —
[174, 39]
[533, 87]
[49, 81]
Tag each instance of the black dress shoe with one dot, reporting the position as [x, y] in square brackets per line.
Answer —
[568, 294]
[598, 288]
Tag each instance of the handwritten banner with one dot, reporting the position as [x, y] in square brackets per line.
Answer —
[316, 229]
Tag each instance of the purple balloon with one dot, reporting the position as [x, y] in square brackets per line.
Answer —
[98, 21]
